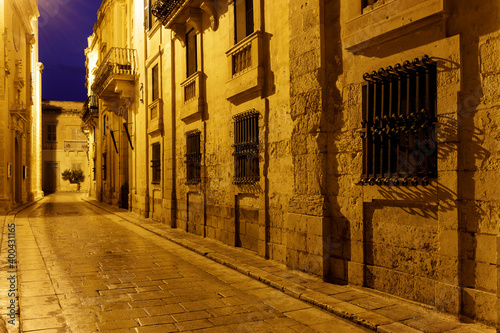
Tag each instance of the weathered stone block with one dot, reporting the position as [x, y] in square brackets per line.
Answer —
[338, 269]
[425, 290]
[448, 243]
[486, 277]
[355, 273]
[447, 298]
[486, 250]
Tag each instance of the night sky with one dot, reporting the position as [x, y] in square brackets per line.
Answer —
[64, 26]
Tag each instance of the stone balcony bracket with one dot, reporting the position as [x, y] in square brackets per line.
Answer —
[185, 12]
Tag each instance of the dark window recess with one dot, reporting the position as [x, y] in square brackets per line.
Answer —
[51, 133]
[191, 61]
[155, 83]
[104, 166]
[193, 157]
[243, 23]
[246, 147]
[399, 124]
[155, 163]
[148, 17]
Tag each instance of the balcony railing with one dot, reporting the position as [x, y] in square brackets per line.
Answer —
[76, 145]
[90, 108]
[164, 9]
[119, 62]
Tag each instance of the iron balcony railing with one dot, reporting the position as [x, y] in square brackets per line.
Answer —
[91, 104]
[90, 107]
[118, 61]
[163, 9]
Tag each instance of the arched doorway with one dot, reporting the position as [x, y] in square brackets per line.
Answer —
[18, 170]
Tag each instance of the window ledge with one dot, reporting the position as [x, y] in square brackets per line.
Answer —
[390, 21]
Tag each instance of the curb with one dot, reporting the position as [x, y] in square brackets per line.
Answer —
[3, 252]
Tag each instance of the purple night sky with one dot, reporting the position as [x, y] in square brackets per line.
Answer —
[64, 26]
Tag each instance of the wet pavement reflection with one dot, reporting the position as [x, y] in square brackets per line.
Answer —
[82, 270]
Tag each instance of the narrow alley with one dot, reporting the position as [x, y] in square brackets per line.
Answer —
[82, 269]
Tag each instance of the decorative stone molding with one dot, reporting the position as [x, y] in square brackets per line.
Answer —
[391, 20]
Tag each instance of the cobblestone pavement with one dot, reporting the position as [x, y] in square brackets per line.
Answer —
[82, 269]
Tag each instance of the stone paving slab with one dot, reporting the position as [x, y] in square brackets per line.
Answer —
[378, 312]
[92, 271]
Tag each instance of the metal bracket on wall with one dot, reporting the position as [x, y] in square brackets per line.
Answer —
[114, 141]
[128, 135]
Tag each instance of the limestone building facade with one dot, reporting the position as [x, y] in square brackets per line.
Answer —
[64, 146]
[20, 104]
[354, 140]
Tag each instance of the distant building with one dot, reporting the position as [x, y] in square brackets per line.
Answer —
[64, 147]
[20, 104]
[357, 140]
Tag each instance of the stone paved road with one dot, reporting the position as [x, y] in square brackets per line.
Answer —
[81, 270]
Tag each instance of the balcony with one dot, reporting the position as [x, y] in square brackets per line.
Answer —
[76, 145]
[90, 109]
[174, 14]
[193, 97]
[246, 65]
[115, 76]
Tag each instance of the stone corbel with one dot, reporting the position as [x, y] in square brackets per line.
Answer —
[179, 33]
[209, 8]
[194, 19]
[30, 39]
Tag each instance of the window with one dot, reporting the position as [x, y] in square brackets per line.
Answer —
[399, 115]
[246, 147]
[104, 166]
[104, 125]
[191, 61]
[51, 132]
[155, 163]
[148, 18]
[243, 23]
[193, 157]
[76, 166]
[155, 83]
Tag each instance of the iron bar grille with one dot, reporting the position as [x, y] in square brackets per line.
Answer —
[399, 117]
[91, 104]
[242, 59]
[246, 147]
[155, 163]
[193, 157]
[190, 91]
[118, 61]
[104, 166]
[163, 9]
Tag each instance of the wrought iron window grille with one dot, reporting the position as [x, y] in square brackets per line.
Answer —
[246, 148]
[155, 163]
[399, 124]
[193, 157]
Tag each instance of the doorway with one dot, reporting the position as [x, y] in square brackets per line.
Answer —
[18, 173]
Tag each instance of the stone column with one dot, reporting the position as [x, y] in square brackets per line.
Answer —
[307, 220]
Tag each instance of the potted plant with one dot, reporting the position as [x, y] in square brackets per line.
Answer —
[74, 177]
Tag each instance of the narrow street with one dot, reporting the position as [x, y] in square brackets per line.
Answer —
[82, 269]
